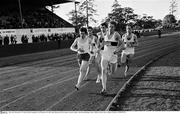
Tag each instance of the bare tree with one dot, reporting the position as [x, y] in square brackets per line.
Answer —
[173, 7]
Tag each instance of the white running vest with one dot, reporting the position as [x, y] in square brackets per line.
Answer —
[84, 46]
[112, 39]
[128, 50]
[108, 52]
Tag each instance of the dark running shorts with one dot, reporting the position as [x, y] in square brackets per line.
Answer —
[83, 57]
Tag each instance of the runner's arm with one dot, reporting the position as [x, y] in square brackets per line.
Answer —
[90, 45]
[100, 43]
[74, 46]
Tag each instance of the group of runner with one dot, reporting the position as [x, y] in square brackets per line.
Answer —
[102, 51]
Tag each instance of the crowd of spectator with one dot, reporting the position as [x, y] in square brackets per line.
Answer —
[31, 18]
[53, 37]
[11, 40]
[6, 40]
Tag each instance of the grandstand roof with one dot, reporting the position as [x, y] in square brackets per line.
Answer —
[35, 2]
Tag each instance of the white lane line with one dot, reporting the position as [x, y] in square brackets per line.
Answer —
[69, 94]
[36, 80]
[35, 64]
[51, 84]
[150, 49]
[40, 87]
[58, 63]
[153, 52]
[41, 61]
[37, 73]
[33, 57]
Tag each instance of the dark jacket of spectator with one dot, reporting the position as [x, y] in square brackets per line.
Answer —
[6, 40]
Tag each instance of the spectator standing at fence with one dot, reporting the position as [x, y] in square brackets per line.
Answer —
[25, 39]
[82, 46]
[33, 39]
[6, 40]
[22, 39]
[12, 39]
[159, 33]
[15, 39]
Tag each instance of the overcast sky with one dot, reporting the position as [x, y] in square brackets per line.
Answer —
[156, 8]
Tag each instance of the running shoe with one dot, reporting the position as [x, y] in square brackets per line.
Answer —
[103, 92]
[76, 88]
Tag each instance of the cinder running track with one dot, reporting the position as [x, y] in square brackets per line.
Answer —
[47, 82]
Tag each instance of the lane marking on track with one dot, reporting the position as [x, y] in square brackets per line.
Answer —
[51, 84]
[35, 64]
[29, 82]
[43, 71]
[69, 94]
[153, 52]
[26, 63]
[153, 48]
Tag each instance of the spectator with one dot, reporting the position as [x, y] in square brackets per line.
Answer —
[15, 39]
[6, 40]
[24, 39]
[12, 39]
[159, 33]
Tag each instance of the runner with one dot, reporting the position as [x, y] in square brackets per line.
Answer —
[130, 42]
[82, 46]
[100, 40]
[111, 42]
[93, 53]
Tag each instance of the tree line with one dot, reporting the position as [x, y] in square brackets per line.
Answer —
[122, 15]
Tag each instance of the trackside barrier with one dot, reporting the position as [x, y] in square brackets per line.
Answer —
[11, 50]
[114, 103]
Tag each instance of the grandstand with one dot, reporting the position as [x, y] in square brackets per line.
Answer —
[27, 26]
[31, 17]
[34, 14]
